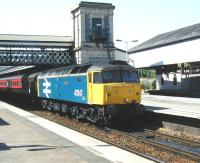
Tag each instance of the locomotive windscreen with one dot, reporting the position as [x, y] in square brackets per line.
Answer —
[116, 76]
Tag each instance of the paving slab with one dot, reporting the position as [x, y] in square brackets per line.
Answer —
[180, 106]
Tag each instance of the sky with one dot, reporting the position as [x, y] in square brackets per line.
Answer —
[133, 19]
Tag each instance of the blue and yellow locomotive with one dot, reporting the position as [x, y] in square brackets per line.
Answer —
[93, 92]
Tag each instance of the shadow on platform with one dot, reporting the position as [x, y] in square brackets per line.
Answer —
[3, 146]
[2, 122]
[152, 108]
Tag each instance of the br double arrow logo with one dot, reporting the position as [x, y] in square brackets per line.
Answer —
[46, 90]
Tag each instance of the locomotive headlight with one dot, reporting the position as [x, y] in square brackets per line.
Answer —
[108, 94]
[126, 100]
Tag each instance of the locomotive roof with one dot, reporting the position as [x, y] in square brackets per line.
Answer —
[76, 69]
[107, 67]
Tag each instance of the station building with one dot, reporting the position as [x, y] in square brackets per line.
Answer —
[175, 56]
[93, 32]
[92, 41]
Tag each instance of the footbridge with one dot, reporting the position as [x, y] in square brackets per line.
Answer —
[17, 50]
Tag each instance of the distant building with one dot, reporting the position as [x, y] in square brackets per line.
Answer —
[120, 54]
[175, 56]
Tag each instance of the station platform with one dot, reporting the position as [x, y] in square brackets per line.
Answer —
[175, 93]
[178, 106]
[27, 138]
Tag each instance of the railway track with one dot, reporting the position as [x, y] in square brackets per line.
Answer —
[127, 137]
[166, 142]
[111, 142]
[145, 146]
[179, 139]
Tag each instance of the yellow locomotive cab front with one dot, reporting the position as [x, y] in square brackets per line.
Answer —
[114, 87]
[122, 93]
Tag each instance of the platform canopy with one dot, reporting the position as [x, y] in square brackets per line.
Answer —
[177, 36]
[175, 47]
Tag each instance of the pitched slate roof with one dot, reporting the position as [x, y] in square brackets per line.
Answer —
[42, 38]
[173, 37]
[35, 40]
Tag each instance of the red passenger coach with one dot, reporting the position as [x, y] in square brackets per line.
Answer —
[3, 84]
[15, 84]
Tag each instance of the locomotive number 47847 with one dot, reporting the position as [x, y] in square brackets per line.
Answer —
[78, 92]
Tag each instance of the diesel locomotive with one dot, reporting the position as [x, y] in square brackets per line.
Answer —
[95, 92]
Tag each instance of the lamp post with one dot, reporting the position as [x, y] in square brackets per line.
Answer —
[126, 43]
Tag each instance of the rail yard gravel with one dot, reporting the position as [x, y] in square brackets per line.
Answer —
[116, 138]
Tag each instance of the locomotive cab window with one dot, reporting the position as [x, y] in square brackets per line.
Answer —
[118, 76]
[97, 77]
[111, 76]
[130, 76]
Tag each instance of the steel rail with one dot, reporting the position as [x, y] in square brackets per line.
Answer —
[161, 145]
[182, 140]
[109, 142]
[127, 148]
[116, 145]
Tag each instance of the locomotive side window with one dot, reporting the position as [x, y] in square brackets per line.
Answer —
[97, 77]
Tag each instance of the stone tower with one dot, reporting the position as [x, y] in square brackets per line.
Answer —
[93, 32]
